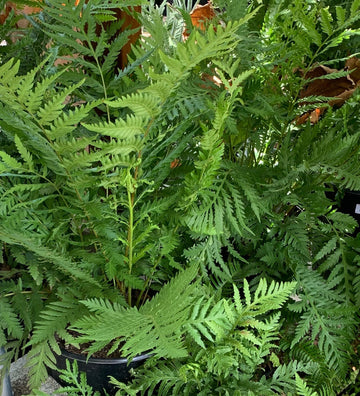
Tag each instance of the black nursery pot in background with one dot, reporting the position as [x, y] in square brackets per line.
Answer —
[350, 204]
[98, 370]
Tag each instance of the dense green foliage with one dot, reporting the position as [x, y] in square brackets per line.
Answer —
[25, 43]
[190, 159]
[215, 344]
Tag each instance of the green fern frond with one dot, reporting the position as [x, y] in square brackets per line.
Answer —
[115, 48]
[80, 160]
[35, 96]
[143, 105]
[342, 222]
[67, 122]
[21, 188]
[203, 177]
[208, 254]
[355, 5]
[235, 210]
[121, 128]
[67, 147]
[9, 162]
[122, 149]
[157, 323]
[27, 83]
[326, 21]
[301, 387]
[40, 357]
[340, 16]
[330, 327]
[204, 321]
[197, 49]
[8, 72]
[52, 110]
[62, 262]
[268, 297]
[25, 154]
[297, 239]
[228, 345]
[283, 377]
[9, 321]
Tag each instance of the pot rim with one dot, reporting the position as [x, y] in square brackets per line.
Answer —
[107, 361]
[354, 192]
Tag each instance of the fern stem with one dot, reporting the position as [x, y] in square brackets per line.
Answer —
[130, 239]
[23, 292]
[104, 87]
[101, 76]
[147, 283]
[131, 191]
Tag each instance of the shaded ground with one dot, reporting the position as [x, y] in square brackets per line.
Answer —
[19, 377]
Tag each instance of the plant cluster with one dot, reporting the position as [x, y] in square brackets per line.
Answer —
[176, 204]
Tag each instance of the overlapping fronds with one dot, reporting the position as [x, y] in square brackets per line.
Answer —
[155, 327]
[225, 336]
[206, 151]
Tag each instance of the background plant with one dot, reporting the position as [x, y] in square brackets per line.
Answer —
[22, 37]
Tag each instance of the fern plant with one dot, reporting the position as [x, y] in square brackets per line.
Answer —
[86, 202]
[292, 166]
[226, 341]
[89, 37]
[191, 156]
[209, 343]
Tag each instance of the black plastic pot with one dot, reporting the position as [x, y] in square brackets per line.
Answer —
[350, 204]
[98, 370]
[346, 201]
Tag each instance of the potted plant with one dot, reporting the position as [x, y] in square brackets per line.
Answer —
[225, 343]
[256, 203]
[23, 293]
[197, 159]
[96, 184]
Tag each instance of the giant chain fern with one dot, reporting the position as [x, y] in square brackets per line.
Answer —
[127, 187]
[88, 35]
[76, 191]
[229, 338]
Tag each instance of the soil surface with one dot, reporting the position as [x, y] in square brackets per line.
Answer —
[102, 354]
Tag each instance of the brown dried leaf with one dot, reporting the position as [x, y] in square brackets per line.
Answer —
[18, 10]
[353, 64]
[341, 89]
[342, 98]
[324, 87]
[201, 14]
